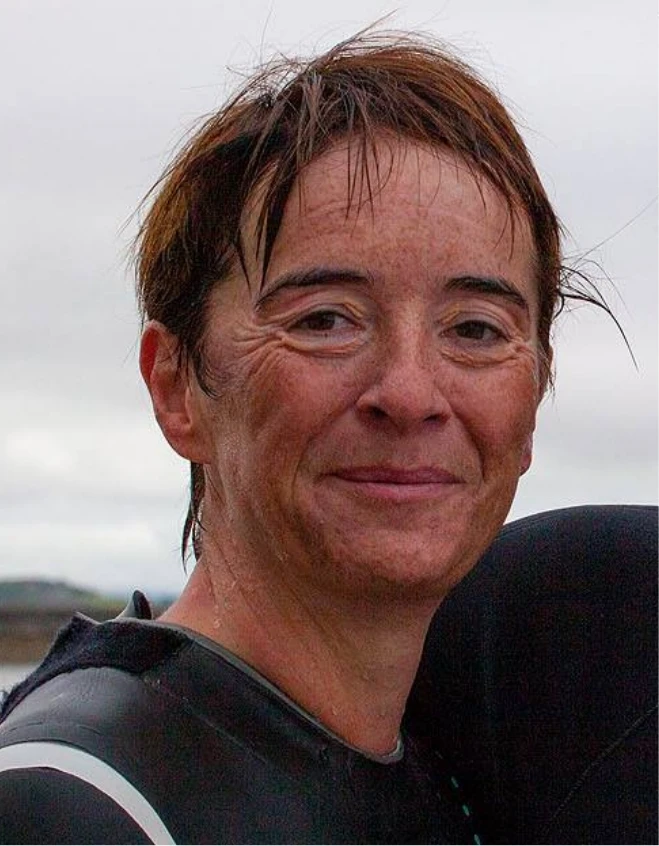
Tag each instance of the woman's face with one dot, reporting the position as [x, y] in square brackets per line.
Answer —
[375, 398]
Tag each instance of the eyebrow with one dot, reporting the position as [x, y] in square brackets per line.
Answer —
[311, 277]
[494, 286]
[488, 285]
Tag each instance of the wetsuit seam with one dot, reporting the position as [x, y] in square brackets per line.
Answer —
[595, 763]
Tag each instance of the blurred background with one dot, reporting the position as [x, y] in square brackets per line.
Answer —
[95, 97]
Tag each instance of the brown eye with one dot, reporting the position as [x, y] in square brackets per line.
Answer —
[327, 330]
[322, 321]
[477, 330]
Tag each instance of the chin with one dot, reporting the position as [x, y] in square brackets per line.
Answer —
[397, 568]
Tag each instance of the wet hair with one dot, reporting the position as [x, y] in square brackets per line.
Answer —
[401, 87]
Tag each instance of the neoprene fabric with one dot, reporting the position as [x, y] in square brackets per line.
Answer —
[219, 755]
[539, 679]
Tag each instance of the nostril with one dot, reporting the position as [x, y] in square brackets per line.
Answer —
[378, 413]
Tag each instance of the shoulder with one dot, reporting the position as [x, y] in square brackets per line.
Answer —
[41, 801]
[174, 737]
[93, 684]
[63, 764]
[67, 734]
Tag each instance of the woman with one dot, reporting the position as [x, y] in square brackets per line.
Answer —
[348, 278]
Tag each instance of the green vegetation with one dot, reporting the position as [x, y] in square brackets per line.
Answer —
[39, 594]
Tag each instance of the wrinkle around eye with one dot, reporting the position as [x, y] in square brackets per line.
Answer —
[508, 352]
[457, 342]
[511, 322]
[293, 327]
[271, 337]
[321, 344]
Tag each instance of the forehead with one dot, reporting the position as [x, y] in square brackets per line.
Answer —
[352, 179]
[400, 203]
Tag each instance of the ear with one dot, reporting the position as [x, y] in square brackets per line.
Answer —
[174, 393]
[527, 455]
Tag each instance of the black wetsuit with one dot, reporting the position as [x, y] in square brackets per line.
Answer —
[136, 732]
[539, 676]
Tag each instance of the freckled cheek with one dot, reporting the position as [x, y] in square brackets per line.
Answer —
[278, 391]
[499, 409]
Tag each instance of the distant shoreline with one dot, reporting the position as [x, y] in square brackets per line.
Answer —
[32, 611]
[26, 634]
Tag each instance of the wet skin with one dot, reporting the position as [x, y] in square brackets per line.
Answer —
[373, 400]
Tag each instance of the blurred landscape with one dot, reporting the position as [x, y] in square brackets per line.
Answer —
[33, 610]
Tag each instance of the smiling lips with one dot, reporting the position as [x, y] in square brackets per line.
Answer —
[398, 485]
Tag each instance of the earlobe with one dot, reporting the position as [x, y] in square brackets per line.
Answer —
[172, 394]
[527, 455]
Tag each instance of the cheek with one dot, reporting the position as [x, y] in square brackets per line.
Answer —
[266, 392]
[498, 406]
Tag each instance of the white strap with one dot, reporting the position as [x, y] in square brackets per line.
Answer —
[82, 765]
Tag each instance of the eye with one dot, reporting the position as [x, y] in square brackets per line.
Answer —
[327, 330]
[323, 321]
[478, 330]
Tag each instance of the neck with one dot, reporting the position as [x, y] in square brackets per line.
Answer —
[348, 662]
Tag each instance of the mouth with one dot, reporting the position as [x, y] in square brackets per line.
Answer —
[398, 484]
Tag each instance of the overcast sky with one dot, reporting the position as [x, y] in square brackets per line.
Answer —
[95, 96]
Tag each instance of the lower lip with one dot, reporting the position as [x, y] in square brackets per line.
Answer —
[399, 493]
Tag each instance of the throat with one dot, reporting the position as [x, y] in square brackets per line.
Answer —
[351, 672]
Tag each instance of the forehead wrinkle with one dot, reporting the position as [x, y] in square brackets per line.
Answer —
[396, 157]
[314, 206]
[444, 159]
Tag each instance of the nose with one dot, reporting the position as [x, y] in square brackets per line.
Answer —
[405, 390]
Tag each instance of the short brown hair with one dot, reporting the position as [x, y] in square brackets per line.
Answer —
[289, 113]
